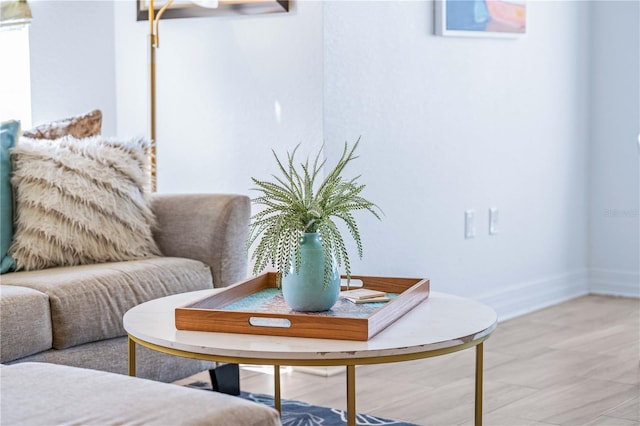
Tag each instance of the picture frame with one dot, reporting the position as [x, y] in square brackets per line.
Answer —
[186, 9]
[481, 18]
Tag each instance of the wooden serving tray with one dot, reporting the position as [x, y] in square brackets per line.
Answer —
[256, 306]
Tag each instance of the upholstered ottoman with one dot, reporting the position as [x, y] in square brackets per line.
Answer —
[49, 394]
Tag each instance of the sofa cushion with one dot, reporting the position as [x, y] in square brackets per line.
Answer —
[112, 355]
[82, 126]
[88, 301]
[25, 320]
[48, 394]
[81, 201]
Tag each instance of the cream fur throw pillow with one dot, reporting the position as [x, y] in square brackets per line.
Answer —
[80, 201]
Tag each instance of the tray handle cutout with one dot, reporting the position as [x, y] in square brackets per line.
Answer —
[269, 322]
[354, 283]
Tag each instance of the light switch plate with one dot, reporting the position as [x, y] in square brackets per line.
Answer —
[493, 220]
[469, 224]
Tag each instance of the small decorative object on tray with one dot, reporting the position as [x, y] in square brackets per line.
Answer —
[364, 295]
[379, 299]
[256, 306]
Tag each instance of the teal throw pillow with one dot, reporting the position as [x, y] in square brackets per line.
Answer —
[9, 131]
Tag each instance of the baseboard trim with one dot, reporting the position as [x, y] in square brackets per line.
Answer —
[526, 297]
[614, 282]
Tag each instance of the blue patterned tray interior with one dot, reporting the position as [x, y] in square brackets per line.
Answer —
[271, 301]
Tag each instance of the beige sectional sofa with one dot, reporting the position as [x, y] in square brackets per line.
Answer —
[73, 315]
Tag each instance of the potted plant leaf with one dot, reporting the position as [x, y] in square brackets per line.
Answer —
[297, 231]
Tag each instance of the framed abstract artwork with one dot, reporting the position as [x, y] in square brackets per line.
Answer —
[481, 18]
[187, 9]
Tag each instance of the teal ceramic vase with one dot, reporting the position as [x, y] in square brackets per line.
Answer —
[304, 291]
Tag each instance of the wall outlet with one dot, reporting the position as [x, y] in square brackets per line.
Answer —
[493, 221]
[469, 224]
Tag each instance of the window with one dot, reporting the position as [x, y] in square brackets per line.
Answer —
[15, 76]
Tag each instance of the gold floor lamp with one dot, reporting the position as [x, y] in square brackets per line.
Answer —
[154, 43]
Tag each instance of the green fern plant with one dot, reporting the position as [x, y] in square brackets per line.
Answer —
[294, 204]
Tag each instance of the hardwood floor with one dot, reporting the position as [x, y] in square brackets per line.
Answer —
[577, 363]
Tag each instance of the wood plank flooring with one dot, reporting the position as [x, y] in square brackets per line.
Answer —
[576, 363]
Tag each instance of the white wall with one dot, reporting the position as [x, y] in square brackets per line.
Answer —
[229, 90]
[615, 178]
[72, 60]
[450, 124]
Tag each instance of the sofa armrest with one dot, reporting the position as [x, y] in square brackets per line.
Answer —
[211, 228]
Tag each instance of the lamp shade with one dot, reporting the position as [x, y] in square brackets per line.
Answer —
[14, 13]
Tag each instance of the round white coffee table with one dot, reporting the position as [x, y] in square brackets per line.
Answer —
[440, 325]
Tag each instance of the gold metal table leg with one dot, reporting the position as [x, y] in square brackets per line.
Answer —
[276, 388]
[478, 415]
[132, 357]
[351, 395]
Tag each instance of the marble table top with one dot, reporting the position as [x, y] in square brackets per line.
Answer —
[442, 321]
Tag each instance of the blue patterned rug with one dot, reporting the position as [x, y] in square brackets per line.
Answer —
[297, 413]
